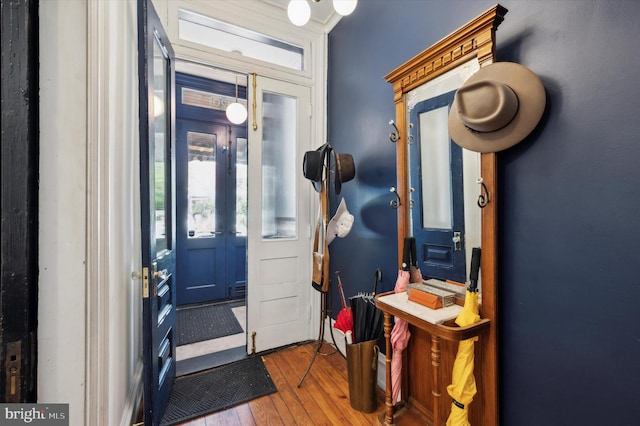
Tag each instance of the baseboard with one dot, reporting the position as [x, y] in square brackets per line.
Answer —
[341, 346]
[132, 406]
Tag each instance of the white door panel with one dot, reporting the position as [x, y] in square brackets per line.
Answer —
[279, 292]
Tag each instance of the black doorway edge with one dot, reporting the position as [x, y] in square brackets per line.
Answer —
[19, 201]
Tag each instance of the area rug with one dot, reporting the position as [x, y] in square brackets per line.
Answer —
[206, 322]
[217, 389]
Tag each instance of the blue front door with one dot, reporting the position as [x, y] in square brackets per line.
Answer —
[157, 206]
[211, 194]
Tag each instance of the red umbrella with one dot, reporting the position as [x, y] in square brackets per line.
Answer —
[344, 321]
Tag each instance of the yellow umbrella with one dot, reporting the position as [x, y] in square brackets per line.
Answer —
[463, 383]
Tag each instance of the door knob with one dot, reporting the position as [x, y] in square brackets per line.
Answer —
[136, 275]
[457, 241]
[160, 274]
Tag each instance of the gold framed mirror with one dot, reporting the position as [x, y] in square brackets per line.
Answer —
[436, 72]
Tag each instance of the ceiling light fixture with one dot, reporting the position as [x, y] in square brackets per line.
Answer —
[299, 11]
[345, 7]
[236, 112]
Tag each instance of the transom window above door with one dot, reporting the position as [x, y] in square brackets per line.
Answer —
[210, 32]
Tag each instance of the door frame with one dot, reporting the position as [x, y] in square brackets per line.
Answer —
[20, 170]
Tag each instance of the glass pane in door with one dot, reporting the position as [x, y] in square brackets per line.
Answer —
[161, 160]
[436, 175]
[241, 187]
[279, 166]
[201, 178]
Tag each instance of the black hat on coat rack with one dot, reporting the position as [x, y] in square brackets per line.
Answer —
[313, 165]
[341, 166]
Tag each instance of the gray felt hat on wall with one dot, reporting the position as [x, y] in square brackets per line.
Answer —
[496, 108]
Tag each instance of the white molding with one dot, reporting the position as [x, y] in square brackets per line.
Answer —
[257, 16]
[134, 397]
[97, 275]
[62, 197]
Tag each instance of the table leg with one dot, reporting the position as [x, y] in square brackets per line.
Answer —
[387, 337]
[435, 362]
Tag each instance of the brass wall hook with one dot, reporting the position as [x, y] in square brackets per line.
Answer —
[395, 203]
[485, 196]
[394, 136]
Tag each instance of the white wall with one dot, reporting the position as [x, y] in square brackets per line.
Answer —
[89, 350]
[63, 203]
[125, 303]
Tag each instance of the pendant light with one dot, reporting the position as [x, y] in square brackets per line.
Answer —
[299, 11]
[236, 112]
[345, 7]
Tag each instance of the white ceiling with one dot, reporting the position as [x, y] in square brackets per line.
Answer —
[321, 11]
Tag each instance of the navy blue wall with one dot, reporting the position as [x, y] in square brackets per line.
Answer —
[569, 213]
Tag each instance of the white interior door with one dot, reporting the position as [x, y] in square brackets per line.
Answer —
[279, 291]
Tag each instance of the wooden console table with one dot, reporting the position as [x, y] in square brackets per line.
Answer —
[438, 324]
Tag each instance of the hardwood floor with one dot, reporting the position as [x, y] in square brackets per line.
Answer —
[323, 398]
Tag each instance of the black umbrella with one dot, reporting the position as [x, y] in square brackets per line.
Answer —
[368, 319]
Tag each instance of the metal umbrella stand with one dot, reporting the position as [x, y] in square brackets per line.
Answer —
[362, 355]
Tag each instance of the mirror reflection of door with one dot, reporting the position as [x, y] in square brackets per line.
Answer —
[436, 174]
[445, 218]
[211, 163]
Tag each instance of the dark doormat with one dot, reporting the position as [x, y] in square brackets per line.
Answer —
[206, 322]
[217, 389]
